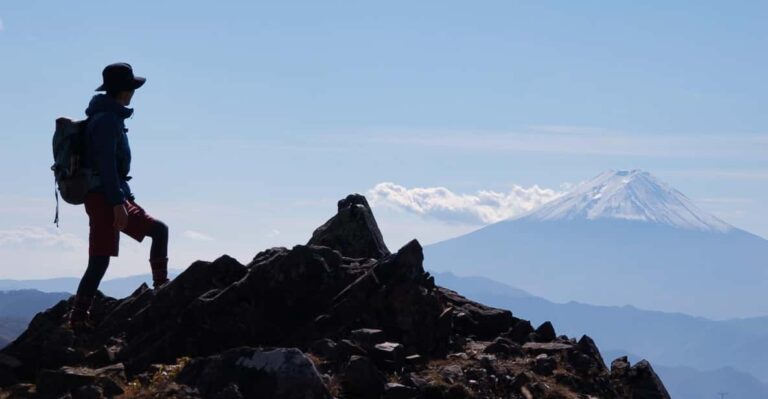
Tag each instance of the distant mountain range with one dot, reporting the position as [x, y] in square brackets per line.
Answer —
[621, 238]
[18, 307]
[693, 355]
[116, 288]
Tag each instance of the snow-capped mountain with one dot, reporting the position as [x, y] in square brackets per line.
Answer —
[629, 195]
[623, 237]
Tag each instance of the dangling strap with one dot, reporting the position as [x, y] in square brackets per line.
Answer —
[56, 194]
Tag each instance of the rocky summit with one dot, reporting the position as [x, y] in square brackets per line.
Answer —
[340, 317]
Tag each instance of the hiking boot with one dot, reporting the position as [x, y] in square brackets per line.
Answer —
[79, 315]
[159, 272]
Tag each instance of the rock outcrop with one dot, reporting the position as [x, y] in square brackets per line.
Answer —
[338, 317]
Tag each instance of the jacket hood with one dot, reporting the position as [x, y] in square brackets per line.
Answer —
[105, 103]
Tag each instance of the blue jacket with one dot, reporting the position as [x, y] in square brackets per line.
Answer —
[108, 154]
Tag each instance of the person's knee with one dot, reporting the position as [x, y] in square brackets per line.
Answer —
[160, 231]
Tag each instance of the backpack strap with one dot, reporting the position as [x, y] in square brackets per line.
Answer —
[56, 193]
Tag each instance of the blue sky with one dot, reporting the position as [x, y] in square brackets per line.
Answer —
[256, 117]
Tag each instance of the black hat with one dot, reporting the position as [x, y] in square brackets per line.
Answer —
[120, 77]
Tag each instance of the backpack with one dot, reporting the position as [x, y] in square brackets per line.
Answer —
[72, 179]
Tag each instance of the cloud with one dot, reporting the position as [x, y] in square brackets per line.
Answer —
[2, 26]
[39, 236]
[273, 233]
[196, 235]
[482, 207]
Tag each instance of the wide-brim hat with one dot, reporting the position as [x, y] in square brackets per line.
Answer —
[120, 77]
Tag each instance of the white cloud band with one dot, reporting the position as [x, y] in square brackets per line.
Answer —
[482, 207]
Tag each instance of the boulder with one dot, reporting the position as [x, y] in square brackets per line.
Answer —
[362, 379]
[110, 380]
[368, 337]
[586, 359]
[353, 231]
[389, 354]
[283, 373]
[505, 347]
[472, 318]
[520, 332]
[545, 332]
[643, 383]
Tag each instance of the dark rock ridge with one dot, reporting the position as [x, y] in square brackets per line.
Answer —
[338, 317]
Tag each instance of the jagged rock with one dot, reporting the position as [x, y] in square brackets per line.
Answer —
[545, 332]
[640, 381]
[620, 368]
[504, 346]
[353, 231]
[586, 358]
[362, 378]
[279, 373]
[69, 379]
[472, 318]
[520, 332]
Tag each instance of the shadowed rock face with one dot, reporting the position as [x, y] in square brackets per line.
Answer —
[353, 231]
[368, 317]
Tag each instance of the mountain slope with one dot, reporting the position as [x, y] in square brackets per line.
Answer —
[602, 252]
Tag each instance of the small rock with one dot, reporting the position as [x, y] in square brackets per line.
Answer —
[488, 362]
[459, 355]
[347, 348]
[389, 352]
[325, 348]
[504, 346]
[544, 365]
[452, 373]
[475, 373]
[413, 360]
[368, 337]
[398, 391]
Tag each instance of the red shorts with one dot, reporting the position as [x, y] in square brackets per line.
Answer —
[104, 239]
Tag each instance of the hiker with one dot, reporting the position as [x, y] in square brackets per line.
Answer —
[110, 204]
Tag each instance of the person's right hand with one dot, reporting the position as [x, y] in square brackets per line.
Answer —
[120, 217]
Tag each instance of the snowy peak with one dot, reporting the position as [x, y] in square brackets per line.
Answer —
[629, 195]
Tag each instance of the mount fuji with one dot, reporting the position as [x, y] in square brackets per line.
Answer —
[623, 237]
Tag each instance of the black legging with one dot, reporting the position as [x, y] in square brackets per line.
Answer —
[97, 265]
